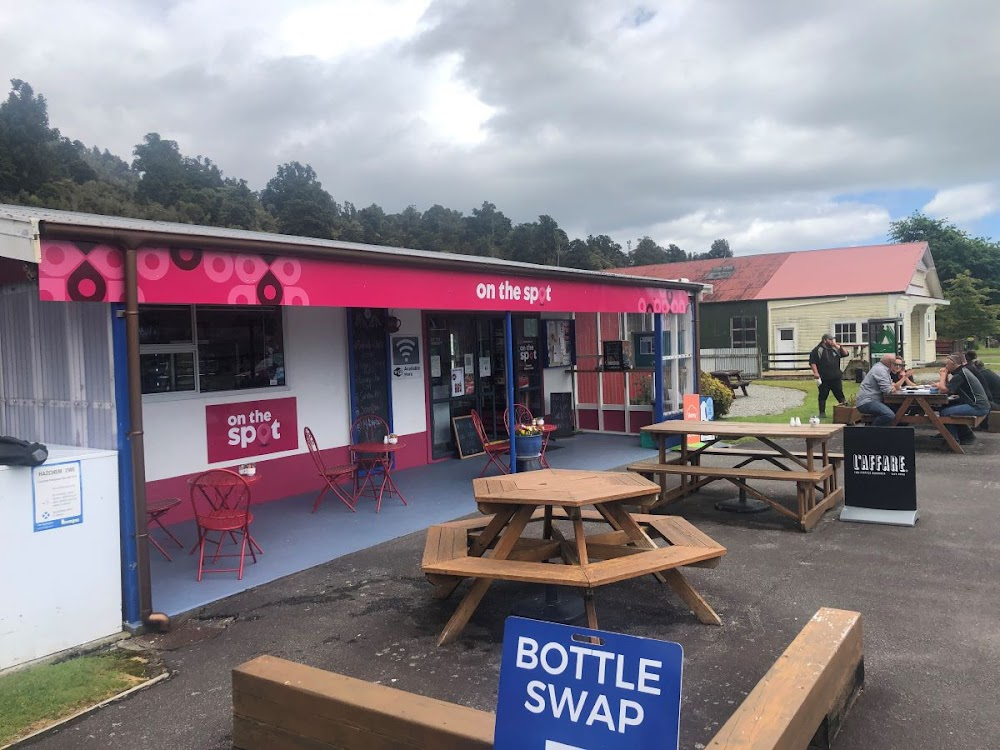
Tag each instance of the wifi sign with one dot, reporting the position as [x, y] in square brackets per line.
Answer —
[405, 350]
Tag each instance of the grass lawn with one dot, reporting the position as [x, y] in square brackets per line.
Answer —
[991, 357]
[808, 409]
[37, 697]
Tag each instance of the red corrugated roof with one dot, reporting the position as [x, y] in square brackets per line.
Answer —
[871, 269]
[874, 269]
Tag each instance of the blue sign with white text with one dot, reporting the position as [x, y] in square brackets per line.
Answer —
[569, 688]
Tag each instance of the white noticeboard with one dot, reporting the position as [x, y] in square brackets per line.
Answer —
[57, 491]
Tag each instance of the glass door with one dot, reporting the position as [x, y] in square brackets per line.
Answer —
[452, 349]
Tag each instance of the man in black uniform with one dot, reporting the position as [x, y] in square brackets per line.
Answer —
[824, 361]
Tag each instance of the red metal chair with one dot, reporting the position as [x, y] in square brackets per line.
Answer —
[495, 449]
[522, 415]
[155, 510]
[221, 502]
[332, 475]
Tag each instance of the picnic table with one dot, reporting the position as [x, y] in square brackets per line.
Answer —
[496, 547]
[732, 379]
[813, 470]
[920, 406]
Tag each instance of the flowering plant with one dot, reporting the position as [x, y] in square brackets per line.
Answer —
[528, 430]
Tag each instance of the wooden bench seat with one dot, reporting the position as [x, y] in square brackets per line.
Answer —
[801, 701]
[597, 573]
[766, 453]
[921, 419]
[732, 380]
[724, 472]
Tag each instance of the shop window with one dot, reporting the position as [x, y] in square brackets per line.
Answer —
[210, 349]
[743, 331]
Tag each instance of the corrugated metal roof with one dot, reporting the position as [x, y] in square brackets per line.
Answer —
[872, 269]
[842, 271]
[217, 237]
[749, 274]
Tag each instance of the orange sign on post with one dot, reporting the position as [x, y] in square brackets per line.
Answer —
[692, 412]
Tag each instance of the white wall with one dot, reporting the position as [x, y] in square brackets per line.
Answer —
[316, 374]
[409, 407]
[61, 587]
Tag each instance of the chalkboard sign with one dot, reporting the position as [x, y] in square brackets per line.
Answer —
[466, 438]
[370, 386]
[562, 413]
[880, 475]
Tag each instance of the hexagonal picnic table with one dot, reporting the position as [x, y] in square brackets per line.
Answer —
[493, 547]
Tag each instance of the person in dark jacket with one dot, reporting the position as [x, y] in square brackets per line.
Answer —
[989, 379]
[958, 380]
[824, 361]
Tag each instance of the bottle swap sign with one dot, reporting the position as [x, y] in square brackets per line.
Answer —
[251, 428]
[568, 688]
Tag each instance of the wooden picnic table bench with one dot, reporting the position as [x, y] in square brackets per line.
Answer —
[732, 379]
[814, 471]
[494, 547]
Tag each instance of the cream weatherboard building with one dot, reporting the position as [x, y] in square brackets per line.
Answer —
[782, 303]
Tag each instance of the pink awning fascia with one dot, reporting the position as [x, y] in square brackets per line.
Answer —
[84, 272]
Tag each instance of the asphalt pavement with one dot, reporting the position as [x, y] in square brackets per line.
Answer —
[929, 596]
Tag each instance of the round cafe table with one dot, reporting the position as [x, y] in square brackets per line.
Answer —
[377, 457]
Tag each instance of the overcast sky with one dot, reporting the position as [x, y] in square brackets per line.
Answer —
[777, 124]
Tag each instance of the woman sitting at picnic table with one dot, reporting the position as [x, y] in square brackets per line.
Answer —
[959, 380]
[899, 374]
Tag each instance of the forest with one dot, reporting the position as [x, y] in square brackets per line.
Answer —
[39, 166]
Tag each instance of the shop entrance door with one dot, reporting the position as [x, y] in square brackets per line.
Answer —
[468, 370]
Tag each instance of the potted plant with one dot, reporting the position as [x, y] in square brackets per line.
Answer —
[846, 412]
[528, 440]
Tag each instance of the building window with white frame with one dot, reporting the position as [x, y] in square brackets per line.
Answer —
[202, 349]
[850, 332]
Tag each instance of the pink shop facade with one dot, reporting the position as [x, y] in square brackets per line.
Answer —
[245, 339]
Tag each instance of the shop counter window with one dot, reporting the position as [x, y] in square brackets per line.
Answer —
[210, 349]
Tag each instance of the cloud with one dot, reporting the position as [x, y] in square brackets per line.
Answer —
[682, 119]
[965, 203]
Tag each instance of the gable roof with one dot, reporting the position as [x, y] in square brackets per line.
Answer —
[834, 272]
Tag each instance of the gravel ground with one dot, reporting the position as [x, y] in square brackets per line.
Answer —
[765, 399]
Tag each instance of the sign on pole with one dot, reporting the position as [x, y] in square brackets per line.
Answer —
[568, 688]
[880, 476]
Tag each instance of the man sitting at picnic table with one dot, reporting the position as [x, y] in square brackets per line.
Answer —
[958, 380]
[876, 384]
[990, 381]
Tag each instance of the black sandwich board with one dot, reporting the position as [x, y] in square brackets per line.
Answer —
[880, 476]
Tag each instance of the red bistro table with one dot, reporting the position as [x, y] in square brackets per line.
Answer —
[547, 430]
[378, 455]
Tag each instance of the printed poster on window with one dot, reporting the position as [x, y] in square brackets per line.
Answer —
[251, 428]
[457, 381]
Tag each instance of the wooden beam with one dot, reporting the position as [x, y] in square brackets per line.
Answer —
[805, 693]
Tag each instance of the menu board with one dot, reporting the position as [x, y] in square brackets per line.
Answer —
[368, 362]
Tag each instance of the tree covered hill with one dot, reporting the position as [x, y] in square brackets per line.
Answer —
[41, 167]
